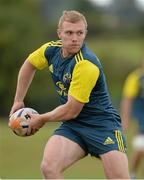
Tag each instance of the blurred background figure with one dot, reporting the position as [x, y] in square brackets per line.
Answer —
[132, 106]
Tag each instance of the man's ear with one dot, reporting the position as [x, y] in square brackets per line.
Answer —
[58, 33]
[86, 32]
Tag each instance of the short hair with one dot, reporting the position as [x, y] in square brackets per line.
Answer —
[73, 17]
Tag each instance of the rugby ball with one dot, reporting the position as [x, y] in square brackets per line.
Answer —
[19, 121]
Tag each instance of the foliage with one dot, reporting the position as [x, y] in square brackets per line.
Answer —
[20, 34]
[26, 25]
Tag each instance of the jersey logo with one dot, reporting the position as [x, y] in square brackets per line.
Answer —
[108, 141]
[51, 68]
[67, 78]
[62, 90]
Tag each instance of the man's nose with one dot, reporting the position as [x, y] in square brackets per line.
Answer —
[74, 37]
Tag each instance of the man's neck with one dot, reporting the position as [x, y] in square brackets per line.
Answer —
[65, 54]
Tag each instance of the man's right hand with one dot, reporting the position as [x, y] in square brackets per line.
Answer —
[16, 106]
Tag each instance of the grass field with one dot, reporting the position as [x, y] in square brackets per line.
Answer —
[20, 157]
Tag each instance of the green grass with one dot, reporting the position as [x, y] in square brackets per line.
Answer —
[20, 157]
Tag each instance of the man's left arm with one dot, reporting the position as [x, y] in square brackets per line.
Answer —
[64, 112]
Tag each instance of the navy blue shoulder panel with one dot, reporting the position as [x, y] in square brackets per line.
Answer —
[50, 52]
[89, 55]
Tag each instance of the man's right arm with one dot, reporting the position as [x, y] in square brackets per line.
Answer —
[126, 108]
[25, 78]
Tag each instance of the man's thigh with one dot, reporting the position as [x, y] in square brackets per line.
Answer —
[61, 152]
[95, 140]
[115, 164]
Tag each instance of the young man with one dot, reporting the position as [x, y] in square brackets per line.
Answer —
[90, 124]
[133, 106]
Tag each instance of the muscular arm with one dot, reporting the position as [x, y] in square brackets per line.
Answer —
[65, 112]
[25, 77]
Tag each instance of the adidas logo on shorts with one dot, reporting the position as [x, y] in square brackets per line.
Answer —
[108, 141]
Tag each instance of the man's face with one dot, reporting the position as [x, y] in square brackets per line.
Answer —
[72, 36]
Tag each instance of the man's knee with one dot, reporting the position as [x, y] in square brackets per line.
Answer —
[118, 174]
[49, 169]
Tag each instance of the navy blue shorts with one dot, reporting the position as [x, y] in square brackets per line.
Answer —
[93, 140]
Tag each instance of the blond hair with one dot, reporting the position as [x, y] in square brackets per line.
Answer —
[73, 17]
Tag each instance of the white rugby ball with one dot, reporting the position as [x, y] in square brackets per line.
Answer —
[19, 121]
